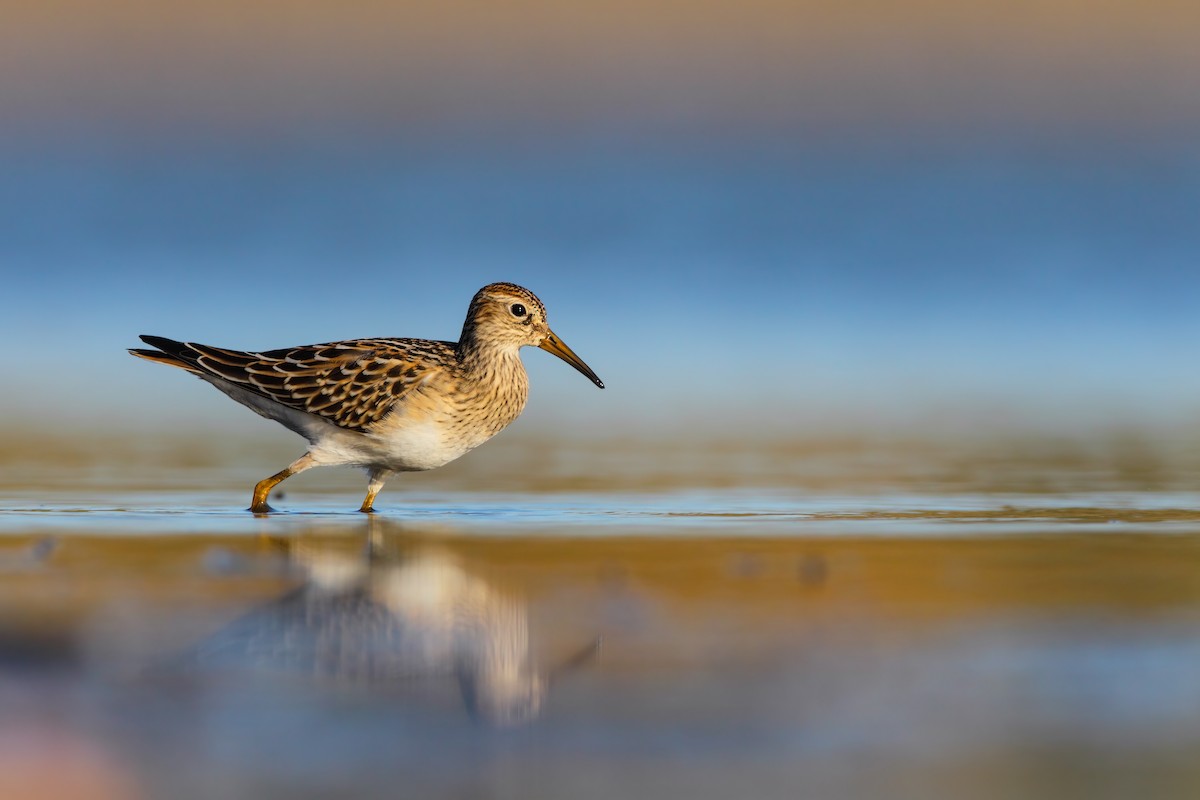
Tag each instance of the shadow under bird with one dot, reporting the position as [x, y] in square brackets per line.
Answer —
[386, 405]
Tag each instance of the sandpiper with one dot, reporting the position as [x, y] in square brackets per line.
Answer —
[386, 405]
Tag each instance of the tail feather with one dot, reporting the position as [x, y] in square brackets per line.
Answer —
[170, 352]
[163, 343]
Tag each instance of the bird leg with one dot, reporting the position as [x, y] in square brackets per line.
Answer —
[263, 488]
[377, 478]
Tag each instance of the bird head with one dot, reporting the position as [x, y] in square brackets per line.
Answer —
[509, 316]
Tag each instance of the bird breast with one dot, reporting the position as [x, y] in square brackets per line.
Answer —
[433, 428]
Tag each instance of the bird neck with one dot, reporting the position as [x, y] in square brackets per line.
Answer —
[495, 385]
[489, 362]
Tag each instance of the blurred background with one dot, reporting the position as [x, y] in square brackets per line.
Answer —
[891, 492]
[776, 218]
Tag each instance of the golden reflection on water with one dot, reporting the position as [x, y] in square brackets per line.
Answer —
[441, 577]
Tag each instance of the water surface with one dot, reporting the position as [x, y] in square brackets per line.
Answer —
[767, 638]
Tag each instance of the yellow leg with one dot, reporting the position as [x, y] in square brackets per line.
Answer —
[258, 503]
[377, 477]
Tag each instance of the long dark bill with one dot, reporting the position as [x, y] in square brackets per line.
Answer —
[552, 344]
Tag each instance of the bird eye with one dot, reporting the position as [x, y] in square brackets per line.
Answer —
[517, 310]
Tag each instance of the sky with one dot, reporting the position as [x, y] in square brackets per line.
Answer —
[782, 216]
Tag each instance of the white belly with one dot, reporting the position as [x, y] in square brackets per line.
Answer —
[413, 447]
[419, 446]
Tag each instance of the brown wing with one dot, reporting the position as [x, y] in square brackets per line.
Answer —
[352, 384]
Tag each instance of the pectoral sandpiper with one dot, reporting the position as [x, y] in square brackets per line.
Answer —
[386, 405]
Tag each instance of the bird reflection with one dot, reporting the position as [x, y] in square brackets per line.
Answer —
[378, 617]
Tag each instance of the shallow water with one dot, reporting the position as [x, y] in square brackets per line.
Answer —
[752, 640]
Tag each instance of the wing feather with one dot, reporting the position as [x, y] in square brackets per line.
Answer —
[352, 384]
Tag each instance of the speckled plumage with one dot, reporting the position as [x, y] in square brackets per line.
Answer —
[386, 405]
